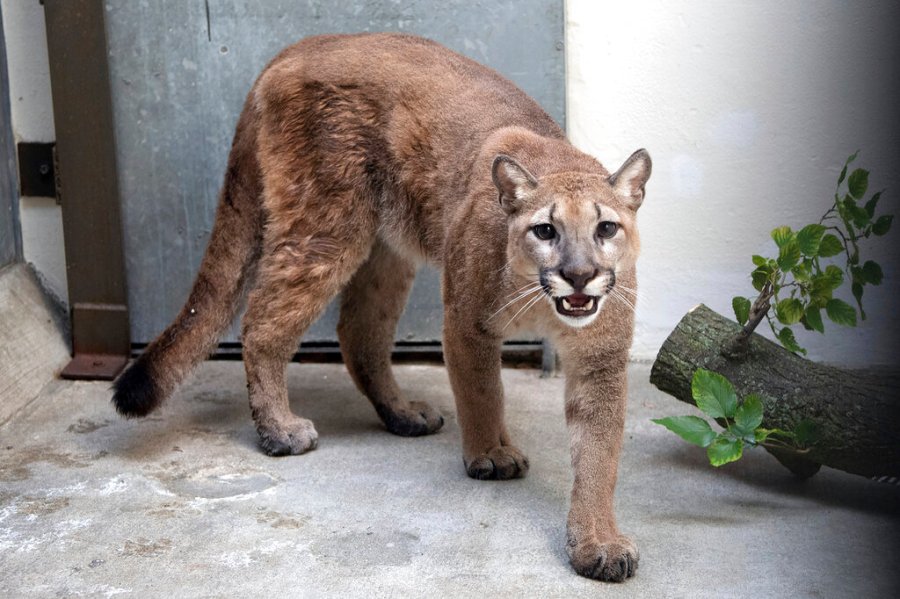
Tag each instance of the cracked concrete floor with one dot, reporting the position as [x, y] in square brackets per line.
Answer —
[182, 504]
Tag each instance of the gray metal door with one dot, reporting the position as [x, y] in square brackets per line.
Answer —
[179, 72]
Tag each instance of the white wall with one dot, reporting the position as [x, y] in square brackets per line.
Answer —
[748, 109]
[32, 120]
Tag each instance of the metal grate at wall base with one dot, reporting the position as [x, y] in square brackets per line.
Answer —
[516, 354]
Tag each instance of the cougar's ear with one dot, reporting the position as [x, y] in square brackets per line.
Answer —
[630, 179]
[513, 181]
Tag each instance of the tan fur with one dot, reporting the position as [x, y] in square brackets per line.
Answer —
[356, 158]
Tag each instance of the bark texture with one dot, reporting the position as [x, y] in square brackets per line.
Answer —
[857, 411]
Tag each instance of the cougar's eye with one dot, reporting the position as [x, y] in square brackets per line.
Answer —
[544, 231]
[607, 229]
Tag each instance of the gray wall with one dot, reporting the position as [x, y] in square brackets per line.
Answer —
[179, 74]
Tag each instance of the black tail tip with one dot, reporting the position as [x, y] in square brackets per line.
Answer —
[136, 394]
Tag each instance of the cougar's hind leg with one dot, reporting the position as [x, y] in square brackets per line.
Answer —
[304, 265]
[371, 306]
[321, 164]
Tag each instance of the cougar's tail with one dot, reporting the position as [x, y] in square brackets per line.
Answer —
[215, 297]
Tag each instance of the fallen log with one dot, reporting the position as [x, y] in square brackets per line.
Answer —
[857, 412]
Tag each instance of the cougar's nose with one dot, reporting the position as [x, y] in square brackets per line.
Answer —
[578, 278]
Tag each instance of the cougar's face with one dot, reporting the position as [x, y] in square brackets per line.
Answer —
[571, 234]
[574, 243]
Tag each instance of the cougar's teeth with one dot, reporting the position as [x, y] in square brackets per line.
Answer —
[589, 305]
[566, 304]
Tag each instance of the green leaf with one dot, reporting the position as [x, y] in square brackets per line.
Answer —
[758, 260]
[789, 255]
[820, 290]
[786, 336]
[857, 289]
[761, 434]
[806, 433]
[834, 276]
[841, 206]
[809, 238]
[801, 273]
[850, 212]
[782, 235]
[843, 174]
[872, 272]
[830, 246]
[713, 394]
[692, 429]
[741, 306]
[724, 450]
[840, 312]
[789, 311]
[860, 216]
[749, 414]
[759, 278]
[851, 158]
[813, 317]
[883, 224]
[858, 183]
[872, 203]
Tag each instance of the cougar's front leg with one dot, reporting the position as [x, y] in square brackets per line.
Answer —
[595, 414]
[473, 362]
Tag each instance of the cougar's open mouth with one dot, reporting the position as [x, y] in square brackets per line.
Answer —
[577, 304]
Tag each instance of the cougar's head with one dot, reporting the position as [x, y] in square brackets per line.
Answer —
[571, 233]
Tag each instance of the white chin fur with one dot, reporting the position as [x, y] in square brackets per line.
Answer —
[578, 322]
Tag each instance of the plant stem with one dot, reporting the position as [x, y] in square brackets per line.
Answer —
[758, 310]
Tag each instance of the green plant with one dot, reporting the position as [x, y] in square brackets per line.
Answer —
[740, 421]
[800, 283]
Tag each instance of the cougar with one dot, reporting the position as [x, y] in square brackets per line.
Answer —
[357, 158]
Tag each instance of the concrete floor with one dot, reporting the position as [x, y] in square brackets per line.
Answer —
[183, 504]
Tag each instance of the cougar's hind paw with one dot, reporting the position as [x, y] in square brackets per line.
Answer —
[414, 419]
[293, 438]
[499, 463]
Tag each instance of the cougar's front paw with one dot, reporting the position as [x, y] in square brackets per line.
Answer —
[413, 419]
[292, 437]
[611, 561]
[499, 463]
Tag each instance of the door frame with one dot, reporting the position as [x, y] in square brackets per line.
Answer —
[10, 231]
[88, 188]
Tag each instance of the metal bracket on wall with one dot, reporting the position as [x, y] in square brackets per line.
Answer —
[88, 320]
[37, 169]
